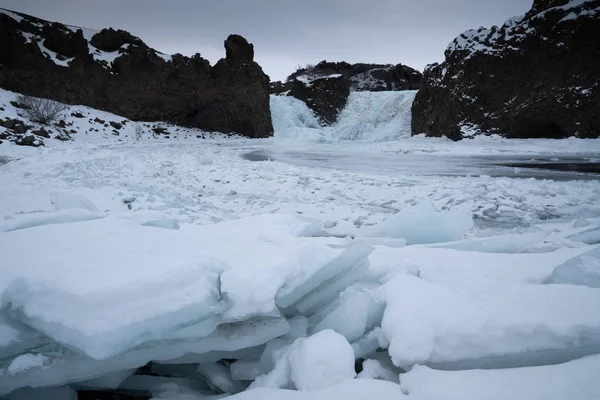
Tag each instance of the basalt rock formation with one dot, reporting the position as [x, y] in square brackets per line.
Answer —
[114, 71]
[536, 76]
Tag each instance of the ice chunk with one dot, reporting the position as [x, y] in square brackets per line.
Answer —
[219, 378]
[590, 236]
[581, 223]
[309, 280]
[16, 338]
[54, 393]
[581, 270]
[369, 343]
[228, 341]
[66, 201]
[488, 324]
[374, 369]
[576, 379]
[298, 327]
[147, 384]
[163, 223]
[467, 267]
[424, 224]
[24, 221]
[356, 389]
[275, 350]
[330, 289]
[530, 242]
[247, 370]
[169, 390]
[27, 361]
[321, 360]
[109, 381]
[216, 355]
[100, 332]
[358, 309]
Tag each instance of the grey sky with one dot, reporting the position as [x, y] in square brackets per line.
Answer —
[287, 33]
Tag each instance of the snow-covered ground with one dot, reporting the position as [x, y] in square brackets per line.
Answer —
[183, 251]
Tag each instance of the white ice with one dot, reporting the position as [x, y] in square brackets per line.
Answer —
[488, 323]
[580, 270]
[424, 224]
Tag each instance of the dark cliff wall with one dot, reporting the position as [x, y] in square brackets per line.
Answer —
[537, 76]
[115, 71]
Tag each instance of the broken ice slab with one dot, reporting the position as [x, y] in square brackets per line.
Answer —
[488, 324]
[16, 338]
[357, 310]
[370, 343]
[112, 312]
[590, 236]
[529, 242]
[303, 285]
[580, 270]
[218, 377]
[53, 393]
[214, 356]
[423, 224]
[69, 201]
[81, 324]
[25, 221]
[576, 379]
[146, 384]
[110, 381]
[325, 293]
[72, 367]
[348, 390]
[247, 370]
[375, 369]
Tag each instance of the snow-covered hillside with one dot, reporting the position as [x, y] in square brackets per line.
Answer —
[173, 267]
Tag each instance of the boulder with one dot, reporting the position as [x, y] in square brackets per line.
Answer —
[326, 96]
[536, 76]
[279, 87]
[112, 40]
[29, 140]
[42, 132]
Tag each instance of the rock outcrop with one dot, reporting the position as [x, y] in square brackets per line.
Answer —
[326, 96]
[326, 86]
[114, 71]
[365, 77]
[537, 76]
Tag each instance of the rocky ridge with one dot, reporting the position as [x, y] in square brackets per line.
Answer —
[536, 76]
[114, 71]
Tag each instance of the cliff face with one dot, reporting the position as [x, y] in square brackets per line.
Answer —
[115, 71]
[537, 76]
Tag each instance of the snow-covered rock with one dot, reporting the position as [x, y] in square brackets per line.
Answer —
[533, 77]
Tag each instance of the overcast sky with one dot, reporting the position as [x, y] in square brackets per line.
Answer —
[288, 33]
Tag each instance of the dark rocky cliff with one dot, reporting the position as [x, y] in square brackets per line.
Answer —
[114, 71]
[326, 86]
[537, 76]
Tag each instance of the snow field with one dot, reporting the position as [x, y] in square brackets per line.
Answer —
[269, 280]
